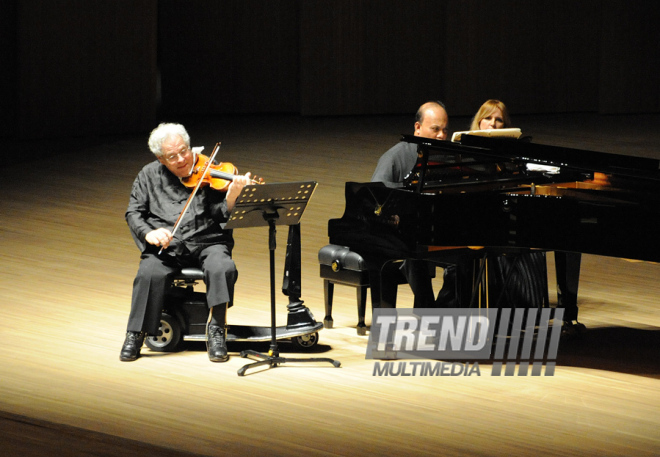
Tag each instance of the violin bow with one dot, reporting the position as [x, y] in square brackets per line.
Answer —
[192, 194]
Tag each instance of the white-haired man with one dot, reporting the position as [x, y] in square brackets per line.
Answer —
[156, 201]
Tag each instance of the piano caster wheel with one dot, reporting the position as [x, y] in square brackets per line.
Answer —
[573, 329]
[361, 330]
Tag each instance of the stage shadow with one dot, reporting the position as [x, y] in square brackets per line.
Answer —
[621, 349]
[617, 349]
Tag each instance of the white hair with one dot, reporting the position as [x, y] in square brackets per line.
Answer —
[165, 131]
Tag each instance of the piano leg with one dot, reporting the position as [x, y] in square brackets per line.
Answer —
[567, 267]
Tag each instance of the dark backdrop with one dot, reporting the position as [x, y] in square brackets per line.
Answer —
[96, 67]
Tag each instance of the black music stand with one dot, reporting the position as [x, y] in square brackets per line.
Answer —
[271, 205]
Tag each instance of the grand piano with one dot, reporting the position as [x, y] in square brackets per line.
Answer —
[510, 201]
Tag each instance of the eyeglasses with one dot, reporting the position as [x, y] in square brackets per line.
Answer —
[174, 157]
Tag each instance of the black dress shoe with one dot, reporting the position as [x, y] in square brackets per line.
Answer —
[216, 343]
[131, 348]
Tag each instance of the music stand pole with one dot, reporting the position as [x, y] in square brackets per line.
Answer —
[272, 242]
[268, 204]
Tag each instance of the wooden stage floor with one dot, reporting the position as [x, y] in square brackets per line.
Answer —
[67, 264]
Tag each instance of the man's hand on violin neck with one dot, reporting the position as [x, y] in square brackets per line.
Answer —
[159, 237]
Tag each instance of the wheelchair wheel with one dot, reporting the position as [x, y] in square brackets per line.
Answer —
[305, 341]
[169, 335]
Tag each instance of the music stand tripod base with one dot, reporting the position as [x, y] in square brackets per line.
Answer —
[270, 205]
[273, 360]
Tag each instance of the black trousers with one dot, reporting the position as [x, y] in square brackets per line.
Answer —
[154, 278]
[419, 277]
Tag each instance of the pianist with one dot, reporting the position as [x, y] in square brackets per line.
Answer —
[431, 121]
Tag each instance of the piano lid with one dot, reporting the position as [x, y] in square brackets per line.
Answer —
[508, 149]
[510, 160]
[450, 166]
[481, 193]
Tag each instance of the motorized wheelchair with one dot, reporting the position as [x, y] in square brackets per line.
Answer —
[185, 315]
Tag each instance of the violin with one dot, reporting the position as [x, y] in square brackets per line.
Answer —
[219, 177]
[205, 172]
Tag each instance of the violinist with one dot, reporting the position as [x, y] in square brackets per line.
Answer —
[156, 203]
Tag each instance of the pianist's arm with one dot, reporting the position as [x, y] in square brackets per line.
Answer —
[395, 164]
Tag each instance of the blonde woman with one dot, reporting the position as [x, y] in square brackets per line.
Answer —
[492, 115]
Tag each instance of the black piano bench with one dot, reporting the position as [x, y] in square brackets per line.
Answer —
[340, 265]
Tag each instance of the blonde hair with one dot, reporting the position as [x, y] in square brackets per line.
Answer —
[487, 109]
